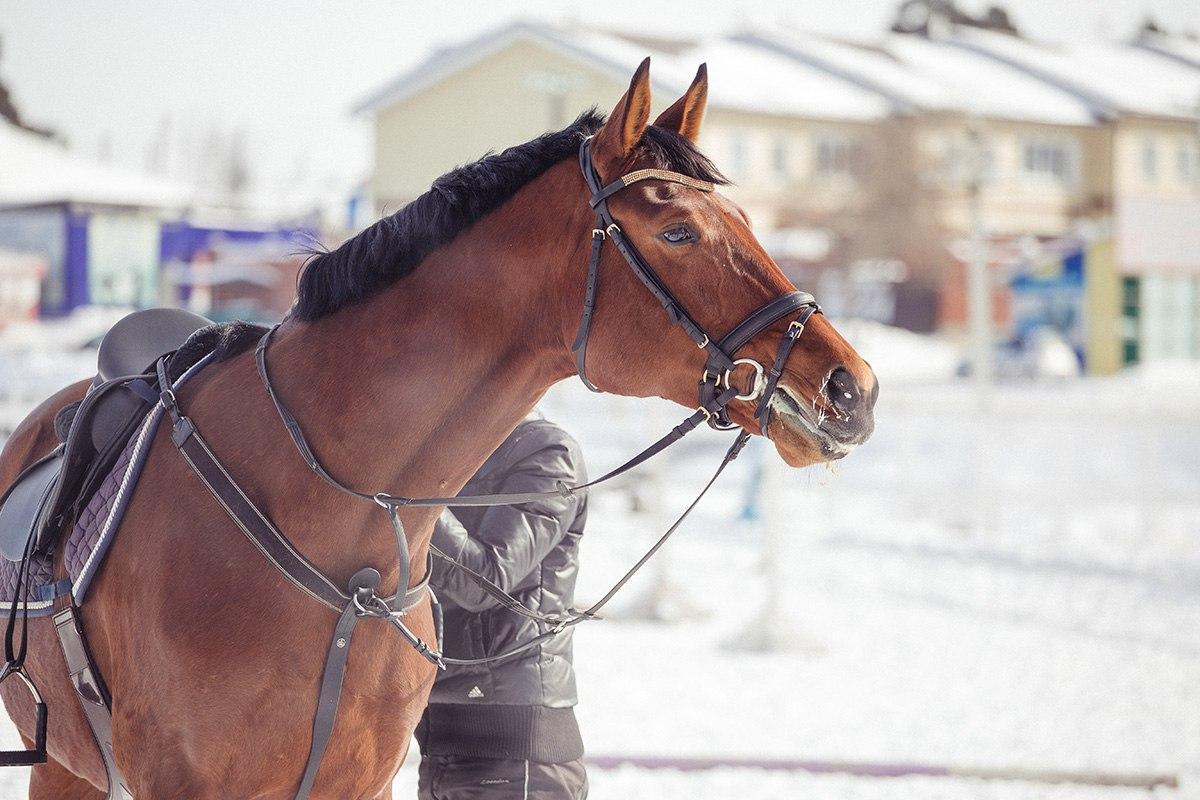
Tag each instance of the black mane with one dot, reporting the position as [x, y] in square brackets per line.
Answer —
[393, 247]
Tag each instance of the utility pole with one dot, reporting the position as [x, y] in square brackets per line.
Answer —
[979, 289]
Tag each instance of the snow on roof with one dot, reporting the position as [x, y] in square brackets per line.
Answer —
[979, 84]
[741, 76]
[795, 73]
[1112, 77]
[747, 77]
[36, 171]
[1183, 50]
[860, 63]
[608, 52]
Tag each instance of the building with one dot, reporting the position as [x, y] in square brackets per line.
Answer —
[95, 226]
[871, 167]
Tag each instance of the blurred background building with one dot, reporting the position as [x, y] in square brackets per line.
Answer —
[868, 166]
[873, 168]
[1004, 577]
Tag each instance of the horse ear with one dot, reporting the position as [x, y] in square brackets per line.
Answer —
[626, 124]
[685, 115]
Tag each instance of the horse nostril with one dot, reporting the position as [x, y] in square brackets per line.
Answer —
[843, 391]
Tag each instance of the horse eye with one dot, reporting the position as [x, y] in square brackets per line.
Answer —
[680, 234]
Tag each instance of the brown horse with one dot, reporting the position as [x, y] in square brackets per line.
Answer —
[412, 351]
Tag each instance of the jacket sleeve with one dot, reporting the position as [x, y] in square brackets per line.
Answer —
[510, 541]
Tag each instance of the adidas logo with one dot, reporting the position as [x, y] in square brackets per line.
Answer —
[475, 693]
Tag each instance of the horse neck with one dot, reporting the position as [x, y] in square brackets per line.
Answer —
[411, 390]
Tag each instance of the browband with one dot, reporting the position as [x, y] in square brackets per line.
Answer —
[647, 174]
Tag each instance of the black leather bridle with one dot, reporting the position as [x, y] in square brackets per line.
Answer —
[716, 381]
[360, 599]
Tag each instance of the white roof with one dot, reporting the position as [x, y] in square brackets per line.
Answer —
[35, 171]
[863, 64]
[747, 77]
[794, 73]
[1184, 50]
[741, 76]
[978, 84]
[1113, 77]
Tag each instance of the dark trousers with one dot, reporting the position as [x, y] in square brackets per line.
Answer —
[463, 778]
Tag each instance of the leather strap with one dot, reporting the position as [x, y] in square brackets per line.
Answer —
[579, 347]
[754, 324]
[362, 587]
[255, 525]
[720, 354]
[631, 178]
[14, 665]
[388, 500]
[763, 318]
[92, 697]
[762, 413]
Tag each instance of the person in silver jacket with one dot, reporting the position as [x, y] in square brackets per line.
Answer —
[507, 729]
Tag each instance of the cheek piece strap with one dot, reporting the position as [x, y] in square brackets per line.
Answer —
[716, 389]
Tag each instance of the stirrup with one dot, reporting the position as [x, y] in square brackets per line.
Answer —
[27, 758]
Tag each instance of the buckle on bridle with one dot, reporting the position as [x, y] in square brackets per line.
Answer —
[597, 233]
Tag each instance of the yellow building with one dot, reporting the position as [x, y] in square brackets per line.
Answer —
[972, 128]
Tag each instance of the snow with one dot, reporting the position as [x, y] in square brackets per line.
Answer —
[865, 63]
[755, 79]
[1017, 586]
[1186, 48]
[38, 171]
[1129, 78]
[980, 85]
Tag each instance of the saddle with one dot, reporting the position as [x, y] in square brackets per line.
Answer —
[50, 493]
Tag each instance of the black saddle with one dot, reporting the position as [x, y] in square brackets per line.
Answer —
[51, 492]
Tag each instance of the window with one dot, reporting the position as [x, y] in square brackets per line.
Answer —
[1050, 158]
[738, 156]
[835, 155]
[1149, 160]
[779, 159]
[1188, 160]
[969, 160]
[1131, 309]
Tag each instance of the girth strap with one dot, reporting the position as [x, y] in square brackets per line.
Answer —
[91, 695]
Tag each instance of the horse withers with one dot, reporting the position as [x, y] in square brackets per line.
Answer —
[412, 351]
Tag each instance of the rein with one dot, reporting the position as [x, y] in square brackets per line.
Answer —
[360, 600]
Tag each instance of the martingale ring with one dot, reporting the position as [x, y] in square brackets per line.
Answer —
[756, 387]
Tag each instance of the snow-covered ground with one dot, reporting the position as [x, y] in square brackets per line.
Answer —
[1014, 587]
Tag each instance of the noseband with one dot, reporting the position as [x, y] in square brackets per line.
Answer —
[716, 381]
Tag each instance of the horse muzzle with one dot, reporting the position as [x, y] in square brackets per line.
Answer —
[833, 423]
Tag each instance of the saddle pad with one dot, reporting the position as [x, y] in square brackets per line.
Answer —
[94, 531]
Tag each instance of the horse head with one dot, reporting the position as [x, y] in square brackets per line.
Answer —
[700, 248]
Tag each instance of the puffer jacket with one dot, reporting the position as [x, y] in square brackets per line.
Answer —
[519, 707]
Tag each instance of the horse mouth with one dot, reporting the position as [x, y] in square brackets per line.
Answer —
[804, 430]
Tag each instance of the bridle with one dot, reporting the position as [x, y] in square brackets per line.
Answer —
[360, 599]
[716, 381]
